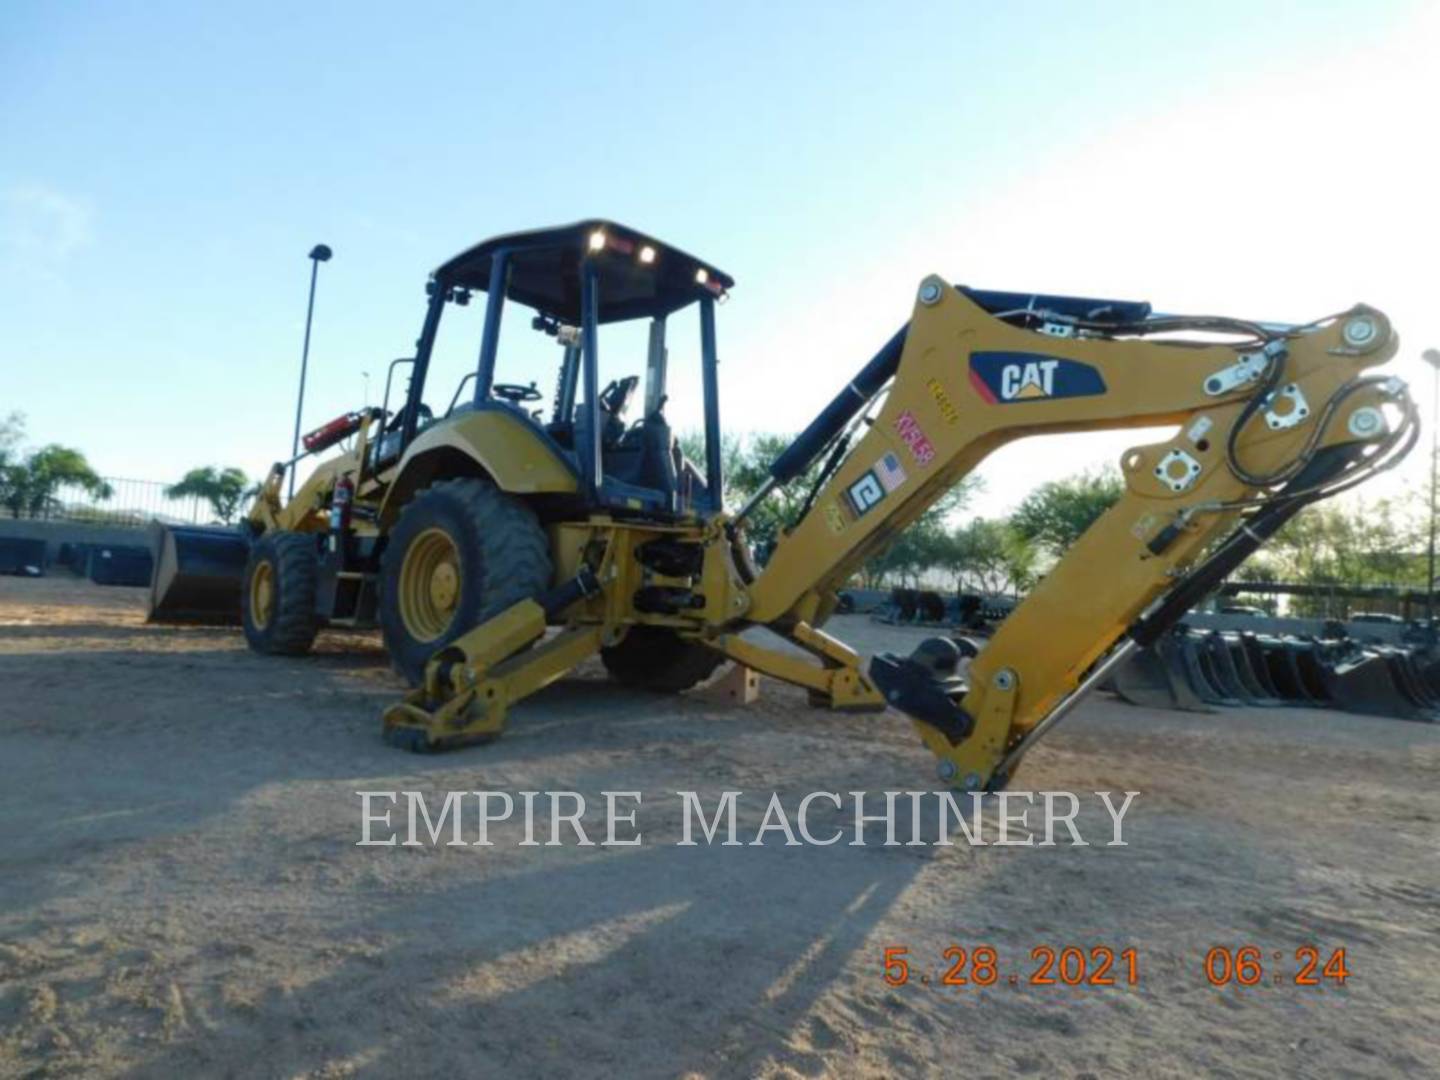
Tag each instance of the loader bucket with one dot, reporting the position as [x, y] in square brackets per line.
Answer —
[1422, 663]
[1255, 692]
[75, 557]
[1201, 672]
[1143, 680]
[23, 557]
[1187, 694]
[1156, 678]
[1407, 678]
[1284, 669]
[1259, 667]
[1365, 684]
[1428, 668]
[198, 572]
[1222, 669]
[1312, 671]
[120, 564]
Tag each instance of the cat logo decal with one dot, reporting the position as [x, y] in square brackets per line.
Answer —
[1006, 378]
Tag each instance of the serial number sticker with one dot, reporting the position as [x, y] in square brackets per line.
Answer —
[913, 436]
[942, 399]
[1199, 428]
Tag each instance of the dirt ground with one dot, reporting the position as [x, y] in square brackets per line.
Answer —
[181, 893]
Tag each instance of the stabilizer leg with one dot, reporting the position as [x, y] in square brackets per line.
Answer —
[471, 683]
[836, 682]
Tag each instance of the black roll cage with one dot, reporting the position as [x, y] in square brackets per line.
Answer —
[492, 268]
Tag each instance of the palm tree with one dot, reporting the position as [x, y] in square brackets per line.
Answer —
[223, 489]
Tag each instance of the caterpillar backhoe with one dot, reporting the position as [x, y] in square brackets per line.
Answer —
[497, 547]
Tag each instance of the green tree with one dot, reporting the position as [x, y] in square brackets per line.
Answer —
[31, 484]
[1346, 543]
[924, 545]
[746, 465]
[989, 556]
[223, 489]
[12, 430]
[692, 445]
[1054, 515]
[918, 549]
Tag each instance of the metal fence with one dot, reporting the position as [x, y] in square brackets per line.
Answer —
[130, 503]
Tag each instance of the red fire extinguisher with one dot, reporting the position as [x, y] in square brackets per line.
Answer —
[340, 503]
[327, 435]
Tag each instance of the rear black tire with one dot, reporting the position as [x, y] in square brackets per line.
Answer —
[288, 625]
[503, 558]
[653, 658]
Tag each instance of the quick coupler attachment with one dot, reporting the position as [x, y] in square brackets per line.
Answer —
[926, 685]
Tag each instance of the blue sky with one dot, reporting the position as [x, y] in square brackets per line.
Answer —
[167, 167]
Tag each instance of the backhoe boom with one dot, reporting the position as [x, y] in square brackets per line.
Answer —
[1248, 417]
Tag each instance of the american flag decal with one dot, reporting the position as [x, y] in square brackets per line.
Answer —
[890, 473]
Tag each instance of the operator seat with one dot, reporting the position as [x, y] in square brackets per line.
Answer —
[655, 453]
[614, 400]
[645, 455]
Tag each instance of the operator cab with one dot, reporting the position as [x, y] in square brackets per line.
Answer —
[575, 280]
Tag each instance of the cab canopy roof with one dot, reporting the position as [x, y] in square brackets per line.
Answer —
[640, 277]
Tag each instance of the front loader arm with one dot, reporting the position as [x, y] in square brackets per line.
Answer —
[968, 382]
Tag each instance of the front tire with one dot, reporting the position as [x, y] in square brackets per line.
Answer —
[462, 552]
[653, 658]
[277, 600]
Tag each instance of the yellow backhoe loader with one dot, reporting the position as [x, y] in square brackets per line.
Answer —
[497, 545]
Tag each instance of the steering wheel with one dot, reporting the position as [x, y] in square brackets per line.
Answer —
[515, 393]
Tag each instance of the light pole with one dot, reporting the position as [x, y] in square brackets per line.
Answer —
[1432, 357]
[318, 254]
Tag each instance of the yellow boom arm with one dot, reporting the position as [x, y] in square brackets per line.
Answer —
[967, 382]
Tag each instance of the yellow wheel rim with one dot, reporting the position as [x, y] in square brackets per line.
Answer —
[429, 584]
[262, 594]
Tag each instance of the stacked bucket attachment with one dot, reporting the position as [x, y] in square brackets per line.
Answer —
[974, 612]
[1157, 678]
[197, 574]
[108, 564]
[23, 557]
[919, 606]
[1384, 682]
[1197, 669]
[120, 564]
